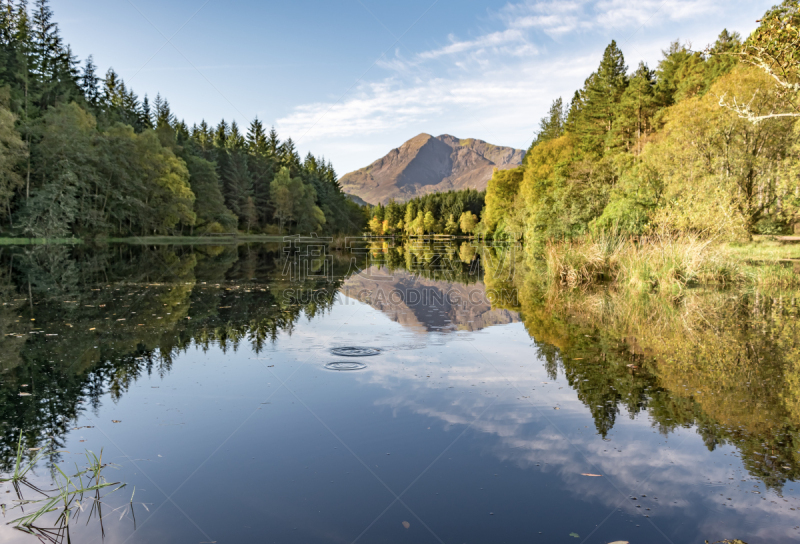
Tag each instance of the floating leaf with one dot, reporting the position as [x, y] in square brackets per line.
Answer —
[575, 535]
[406, 524]
[620, 542]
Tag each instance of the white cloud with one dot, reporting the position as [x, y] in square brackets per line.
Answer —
[559, 18]
[622, 13]
[553, 18]
[496, 84]
[463, 389]
[510, 41]
[502, 101]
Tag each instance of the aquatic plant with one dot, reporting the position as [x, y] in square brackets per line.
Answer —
[68, 498]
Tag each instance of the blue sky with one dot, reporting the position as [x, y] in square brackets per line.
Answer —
[352, 79]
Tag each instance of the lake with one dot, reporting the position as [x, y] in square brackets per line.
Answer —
[218, 383]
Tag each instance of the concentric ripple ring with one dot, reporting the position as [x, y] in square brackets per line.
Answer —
[345, 366]
[355, 351]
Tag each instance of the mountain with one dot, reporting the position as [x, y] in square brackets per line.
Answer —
[425, 305]
[425, 164]
[357, 199]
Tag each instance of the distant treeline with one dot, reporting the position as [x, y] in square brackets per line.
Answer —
[707, 143]
[453, 212]
[81, 155]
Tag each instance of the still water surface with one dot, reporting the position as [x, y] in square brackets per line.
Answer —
[201, 373]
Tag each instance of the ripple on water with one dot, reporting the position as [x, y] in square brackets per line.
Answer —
[355, 351]
[345, 366]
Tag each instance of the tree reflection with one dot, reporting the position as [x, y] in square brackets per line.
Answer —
[81, 323]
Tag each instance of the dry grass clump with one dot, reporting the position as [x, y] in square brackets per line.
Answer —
[584, 261]
[659, 262]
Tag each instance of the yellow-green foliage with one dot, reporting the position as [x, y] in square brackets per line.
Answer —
[721, 173]
[500, 195]
[698, 147]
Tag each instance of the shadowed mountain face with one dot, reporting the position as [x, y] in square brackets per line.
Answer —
[425, 305]
[425, 164]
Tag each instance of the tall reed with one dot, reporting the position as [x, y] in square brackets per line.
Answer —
[659, 262]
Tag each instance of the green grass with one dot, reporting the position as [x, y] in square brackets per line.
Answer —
[669, 263]
[69, 497]
[39, 241]
[195, 240]
[21, 470]
[762, 248]
[337, 242]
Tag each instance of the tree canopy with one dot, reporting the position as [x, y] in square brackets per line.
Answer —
[675, 148]
[83, 155]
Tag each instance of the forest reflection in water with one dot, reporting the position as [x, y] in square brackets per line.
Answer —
[81, 323]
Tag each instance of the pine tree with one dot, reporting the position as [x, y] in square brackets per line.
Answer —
[257, 139]
[235, 140]
[111, 90]
[602, 91]
[250, 216]
[68, 70]
[332, 178]
[667, 73]
[181, 132]
[47, 54]
[261, 164]
[635, 111]
[13, 60]
[163, 116]
[203, 138]
[131, 109]
[723, 56]
[310, 165]
[209, 204]
[6, 22]
[90, 144]
[273, 144]
[221, 135]
[90, 83]
[232, 161]
[289, 157]
[552, 125]
[146, 117]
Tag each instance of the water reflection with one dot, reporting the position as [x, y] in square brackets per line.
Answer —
[568, 398]
[425, 305]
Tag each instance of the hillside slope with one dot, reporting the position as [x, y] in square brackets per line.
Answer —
[425, 164]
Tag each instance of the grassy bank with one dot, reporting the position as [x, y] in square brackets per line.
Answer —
[763, 249]
[194, 240]
[336, 242]
[668, 263]
[39, 241]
